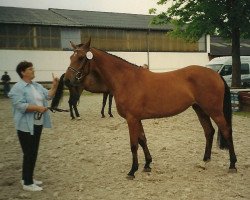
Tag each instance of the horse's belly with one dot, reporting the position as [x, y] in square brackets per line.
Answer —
[164, 111]
[164, 107]
[155, 105]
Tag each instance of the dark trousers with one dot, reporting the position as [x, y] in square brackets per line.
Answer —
[30, 145]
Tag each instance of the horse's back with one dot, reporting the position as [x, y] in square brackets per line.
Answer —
[177, 90]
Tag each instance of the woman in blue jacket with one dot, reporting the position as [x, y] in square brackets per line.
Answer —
[29, 102]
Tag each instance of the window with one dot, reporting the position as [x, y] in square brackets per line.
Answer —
[48, 37]
[29, 37]
[138, 41]
[226, 70]
[244, 68]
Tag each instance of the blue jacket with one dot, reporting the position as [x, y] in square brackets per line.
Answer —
[21, 96]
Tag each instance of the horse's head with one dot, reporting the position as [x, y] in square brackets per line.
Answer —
[79, 64]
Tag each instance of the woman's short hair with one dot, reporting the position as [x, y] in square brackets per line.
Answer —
[22, 66]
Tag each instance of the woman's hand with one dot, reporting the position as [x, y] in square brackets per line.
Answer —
[55, 81]
[53, 89]
[42, 109]
[35, 108]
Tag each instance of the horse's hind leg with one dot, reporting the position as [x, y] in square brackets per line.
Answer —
[226, 131]
[208, 130]
[110, 104]
[143, 143]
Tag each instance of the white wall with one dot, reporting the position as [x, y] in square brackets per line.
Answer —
[46, 62]
[164, 61]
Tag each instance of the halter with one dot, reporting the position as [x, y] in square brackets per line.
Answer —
[79, 72]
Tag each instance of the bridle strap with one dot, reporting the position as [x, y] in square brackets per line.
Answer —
[79, 74]
[72, 69]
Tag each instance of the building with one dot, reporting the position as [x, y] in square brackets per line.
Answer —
[42, 37]
[221, 47]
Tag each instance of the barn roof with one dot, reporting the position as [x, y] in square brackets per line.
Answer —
[62, 17]
[109, 19]
[13, 15]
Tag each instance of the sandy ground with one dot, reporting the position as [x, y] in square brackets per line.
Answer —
[89, 159]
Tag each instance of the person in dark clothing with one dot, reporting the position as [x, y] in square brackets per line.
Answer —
[6, 83]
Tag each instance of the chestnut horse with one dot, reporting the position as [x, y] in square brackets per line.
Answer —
[157, 95]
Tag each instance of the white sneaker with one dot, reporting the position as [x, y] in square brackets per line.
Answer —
[37, 182]
[34, 182]
[78, 118]
[32, 187]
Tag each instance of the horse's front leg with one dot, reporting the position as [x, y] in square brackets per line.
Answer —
[76, 112]
[134, 128]
[104, 100]
[143, 142]
[71, 111]
[110, 104]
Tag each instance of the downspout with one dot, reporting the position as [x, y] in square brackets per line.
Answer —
[148, 31]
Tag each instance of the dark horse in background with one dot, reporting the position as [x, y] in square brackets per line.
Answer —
[157, 95]
[74, 97]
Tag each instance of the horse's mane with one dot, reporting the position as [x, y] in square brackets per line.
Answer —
[82, 45]
[119, 58]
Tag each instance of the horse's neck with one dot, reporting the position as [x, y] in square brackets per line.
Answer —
[112, 69]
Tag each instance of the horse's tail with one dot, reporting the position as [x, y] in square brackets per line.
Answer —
[59, 93]
[227, 110]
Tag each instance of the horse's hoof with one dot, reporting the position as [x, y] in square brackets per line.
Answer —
[79, 118]
[232, 171]
[111, 115]
[103, 116]
[148, 169]
[72, 118]
[130, 177]
[207, 160]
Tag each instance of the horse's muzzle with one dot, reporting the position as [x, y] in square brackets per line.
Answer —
[67, 82]
[70, 83]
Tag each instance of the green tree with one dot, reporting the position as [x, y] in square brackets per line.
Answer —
[191, 19]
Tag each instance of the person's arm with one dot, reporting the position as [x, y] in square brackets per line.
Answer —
[20, 103]
[53, 89]
[35, 108]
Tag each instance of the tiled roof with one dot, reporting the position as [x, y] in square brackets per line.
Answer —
[13, 15]
[62, 17]
[109, 19]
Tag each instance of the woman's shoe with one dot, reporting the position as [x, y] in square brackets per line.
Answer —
[32, 187]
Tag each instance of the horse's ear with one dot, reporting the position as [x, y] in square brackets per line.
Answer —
[88, 43]
[73, 45]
